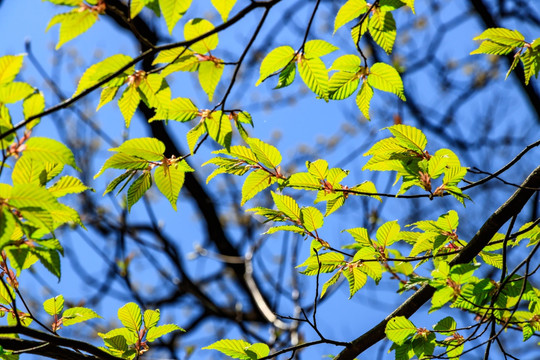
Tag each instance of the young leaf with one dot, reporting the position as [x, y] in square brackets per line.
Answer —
[363, 98]
[197, 27]
[356, 278]
[122, 161]
[318, 48]
[151, 318]
[287, 205]
[130, 316]
[169, 181]
[503, 36]
[312, 218]
[31, 196]
[330, 282]
[315, 75]
[286, 76]
[232, 348]
[158, 331]
[399, 329]
[128, 103]
[7, 226]
[387, 233]
[224, 7]
[255, 182]
[67, 185]
[103, 69]
[384, 77]
[276, 60]
[382, 28]
[351, 10]
[342, 85]
[14, 92]
[54, 306]
[138, 188]
[209, 75]
[73, 24]
[194, 134]
[173, 10]
[32, 105]
[266, 154]
[219, 128]
[10, 66]
[409, 137]
[78, 314]
[182, 109]
[147, 148]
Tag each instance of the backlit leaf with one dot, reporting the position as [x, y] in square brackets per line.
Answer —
[399, 329]
[255, 182]
[197, 27]
[351, 10]
[318, 48]
[158, 331]
[287, 205]
[209, 76]
[73, 24]
[315, 76]
[130, 316]
[276, 60]
[169, 181]
[10, 65]
[138, 188]
[224, 7]
[54, 306]
[173, 10]
[386, 78]
[128, 103]
[78, 314]
[147, 148]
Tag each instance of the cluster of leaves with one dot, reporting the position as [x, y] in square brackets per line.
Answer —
[342, 84]
[139, 157]
[240, 349]
[405, 153]
[139, 329]
[55, 306]
[501, 41]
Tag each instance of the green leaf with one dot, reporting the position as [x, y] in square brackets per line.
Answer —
[388, 233]
[28, 171]
[10, 66]
[194, 134]
[330, 282]
[399, 329]
[138, 188]
[384, 77]
[7, 225]
[31, 196]
[318, 48]
[303, 181]
[351, 10]
[342, 85]
[493, 48]
[368, 188]
[182, 109]
[147, 148]
[287, 205]
[73, 24]
[219, 128]
[276, 60]
[33, 105]
[446, 326]
[128, 103]
[158, 331]
[224, 7]
[20, 257]
[78, 314]
[315, 76]
[130, 336]
[312, 218]
[123, 161]
[68, 185]
[169, 181]
[14, 92]
[257, 351]
[173, 10]
[5, 297]
[232, 348]
[155, 92]
[531, 64]
[50, 260]
[356, 278]
[349, 63]
[409, 137]
[209, 75]
[266, 154]
[286, 76]
[363, 99]
[54, 306]
[255, 182]
[361, 236]
[291, 228]
[117, 342]
[130, 316]
[197, 27]
[502, 36]
[382, 28]
[97, 72]
[151, 318]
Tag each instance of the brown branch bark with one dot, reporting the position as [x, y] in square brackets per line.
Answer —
[50, 346]
[511, 207]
